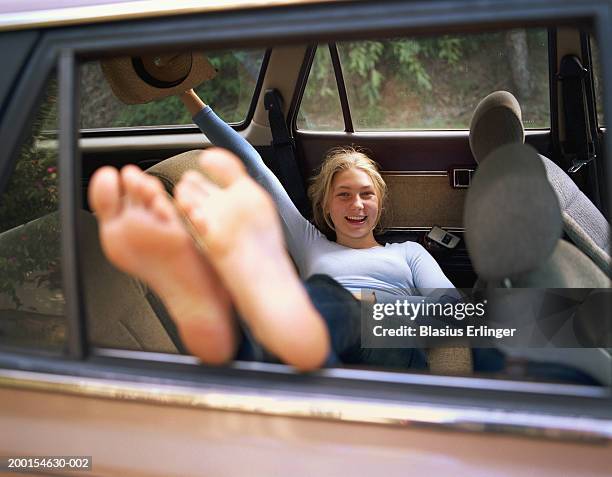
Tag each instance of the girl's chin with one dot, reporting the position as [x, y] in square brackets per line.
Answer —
[357, 232]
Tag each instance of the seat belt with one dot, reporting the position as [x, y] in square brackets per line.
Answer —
[579, 147]
[284, 150]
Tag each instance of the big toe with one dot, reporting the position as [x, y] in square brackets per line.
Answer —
[223, 167]
[105, 192]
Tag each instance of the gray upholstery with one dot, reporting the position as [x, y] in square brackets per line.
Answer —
[583, 223]
[567, 267]
[512, 216]
[513, 226]
[497, 121]
[505, 191]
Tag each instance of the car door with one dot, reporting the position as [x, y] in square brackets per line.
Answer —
[137, 411]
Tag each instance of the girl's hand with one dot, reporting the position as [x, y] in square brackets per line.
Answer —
[192, 102]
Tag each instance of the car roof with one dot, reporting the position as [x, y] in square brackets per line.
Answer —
[18, 15]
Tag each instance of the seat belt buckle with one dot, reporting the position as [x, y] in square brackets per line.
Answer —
[578, 164]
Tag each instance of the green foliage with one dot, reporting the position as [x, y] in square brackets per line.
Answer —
[231, 91]
[31, 252]
[432, 82]
[32, 188]
[362, 61]
[320, 81]
[403, 60]
[367, 66]
[406, 53]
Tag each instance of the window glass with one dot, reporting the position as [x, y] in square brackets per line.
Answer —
[320, 109]
[229, 93]
[435, 83]
[32, 306]
[598, 80]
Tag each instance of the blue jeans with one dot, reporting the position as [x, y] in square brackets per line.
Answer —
[342, 314]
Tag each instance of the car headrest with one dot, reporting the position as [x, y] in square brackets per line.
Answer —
[512, 216]
[496, 121]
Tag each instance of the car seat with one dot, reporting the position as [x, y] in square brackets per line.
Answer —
[170, 170]
[497, 121]
[513, 235]
[122, 313]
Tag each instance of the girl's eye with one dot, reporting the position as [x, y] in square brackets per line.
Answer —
[343, 194]
[367, 194]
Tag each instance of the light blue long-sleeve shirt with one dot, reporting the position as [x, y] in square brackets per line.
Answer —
[395, 270]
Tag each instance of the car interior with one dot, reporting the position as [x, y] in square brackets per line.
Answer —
[450, 101]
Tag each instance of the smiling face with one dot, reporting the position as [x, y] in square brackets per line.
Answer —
[353, 207]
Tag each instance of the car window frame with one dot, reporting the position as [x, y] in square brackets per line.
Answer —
[349, 127]
[182, 128]
[60, 47]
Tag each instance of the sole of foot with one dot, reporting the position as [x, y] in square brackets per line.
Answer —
[238, 224]
[142, 234]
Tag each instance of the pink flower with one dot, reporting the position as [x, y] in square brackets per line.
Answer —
[51, 170]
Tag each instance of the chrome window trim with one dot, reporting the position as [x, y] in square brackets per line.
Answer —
[327, 407]
[116, 11]
[376, 376]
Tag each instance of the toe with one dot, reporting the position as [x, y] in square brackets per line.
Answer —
[105, 192]
[192, 191]
[149, 189]
[199, 182]
[132, 180]
[162, 207]
[222, 166]
[183, 196]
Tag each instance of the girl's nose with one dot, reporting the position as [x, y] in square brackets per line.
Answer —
[358, 203]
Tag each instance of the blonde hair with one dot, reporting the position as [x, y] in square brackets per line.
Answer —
[337, 160]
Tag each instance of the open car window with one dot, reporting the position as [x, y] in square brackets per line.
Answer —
[430, 83]
[32, 302]
[230, 92]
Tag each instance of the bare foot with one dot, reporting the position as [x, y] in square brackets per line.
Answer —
[142, 235]
[241, 232]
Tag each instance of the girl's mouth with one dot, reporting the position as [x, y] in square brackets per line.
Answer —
[356, 219]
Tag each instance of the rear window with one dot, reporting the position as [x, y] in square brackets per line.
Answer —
[321, 108]
[436, 82]
[230, 93]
